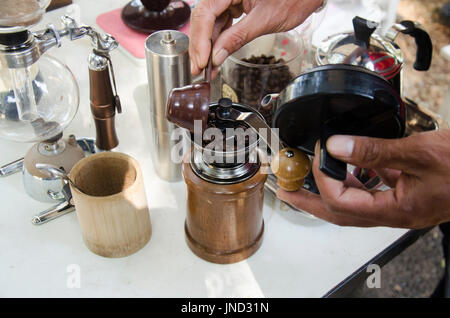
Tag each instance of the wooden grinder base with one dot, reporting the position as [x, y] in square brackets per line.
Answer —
[224, 223]
[223, 257]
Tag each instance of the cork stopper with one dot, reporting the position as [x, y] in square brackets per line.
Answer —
[290, 166]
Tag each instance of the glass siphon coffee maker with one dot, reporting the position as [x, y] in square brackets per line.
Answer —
[39, 95]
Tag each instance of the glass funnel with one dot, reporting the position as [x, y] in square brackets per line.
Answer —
[21, 14]
[36, 102]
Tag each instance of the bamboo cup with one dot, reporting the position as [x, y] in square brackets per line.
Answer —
[112, 209]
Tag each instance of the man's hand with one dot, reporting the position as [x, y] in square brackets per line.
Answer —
[417, 168]
[263, 17]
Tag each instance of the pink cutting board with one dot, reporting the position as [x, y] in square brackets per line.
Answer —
[132, 41]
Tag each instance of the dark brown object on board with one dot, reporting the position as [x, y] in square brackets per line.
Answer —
[55, 4]
[103, 108]
[224, 222]
[156, 15]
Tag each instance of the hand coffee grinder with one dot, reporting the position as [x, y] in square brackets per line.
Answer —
[39, 95]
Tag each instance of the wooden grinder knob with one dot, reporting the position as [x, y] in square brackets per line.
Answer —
[291, 166]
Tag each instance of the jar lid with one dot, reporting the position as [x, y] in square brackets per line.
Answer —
[167, 43]
[338, 99]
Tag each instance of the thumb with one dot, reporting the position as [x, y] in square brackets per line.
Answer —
[375, 153]
[236, 36]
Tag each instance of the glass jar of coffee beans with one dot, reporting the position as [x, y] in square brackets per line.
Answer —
[264, 66]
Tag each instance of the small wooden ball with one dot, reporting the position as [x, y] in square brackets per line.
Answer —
[290, 166]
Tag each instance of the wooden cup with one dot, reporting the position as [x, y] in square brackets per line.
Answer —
[112, 209]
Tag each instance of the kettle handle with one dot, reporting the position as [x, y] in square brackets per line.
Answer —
[424, 45]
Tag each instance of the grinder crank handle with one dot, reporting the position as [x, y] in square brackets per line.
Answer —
[291, 166]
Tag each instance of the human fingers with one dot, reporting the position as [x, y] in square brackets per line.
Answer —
[400, 154]
[313, 204]
[379, 207]
[236, 36]
[262, 17]
[203, 19]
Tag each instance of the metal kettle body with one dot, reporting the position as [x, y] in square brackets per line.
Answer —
[376, 52]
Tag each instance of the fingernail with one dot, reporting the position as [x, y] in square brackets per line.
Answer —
[219, 57]
[317, 147]
[193, 67]
[341, 146]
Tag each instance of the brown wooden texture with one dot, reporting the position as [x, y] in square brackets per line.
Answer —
[224, 223]
[55, 4]
[113, 211]
[291, 166]
[103, 109]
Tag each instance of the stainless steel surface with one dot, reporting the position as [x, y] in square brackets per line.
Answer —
[420, 119]
[42, 189]
[11, 168]
[88, 146]
[54, 172]
[32, 80]
[258, 125]
[53, 213]
[222, 166]
[40, 185]
[39, 42]
[217, 175]
[337, 48]
[168, 67]
[102, 44]
[51, 148]
[394, 30]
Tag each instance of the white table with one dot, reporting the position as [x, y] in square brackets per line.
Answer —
[300, 257]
